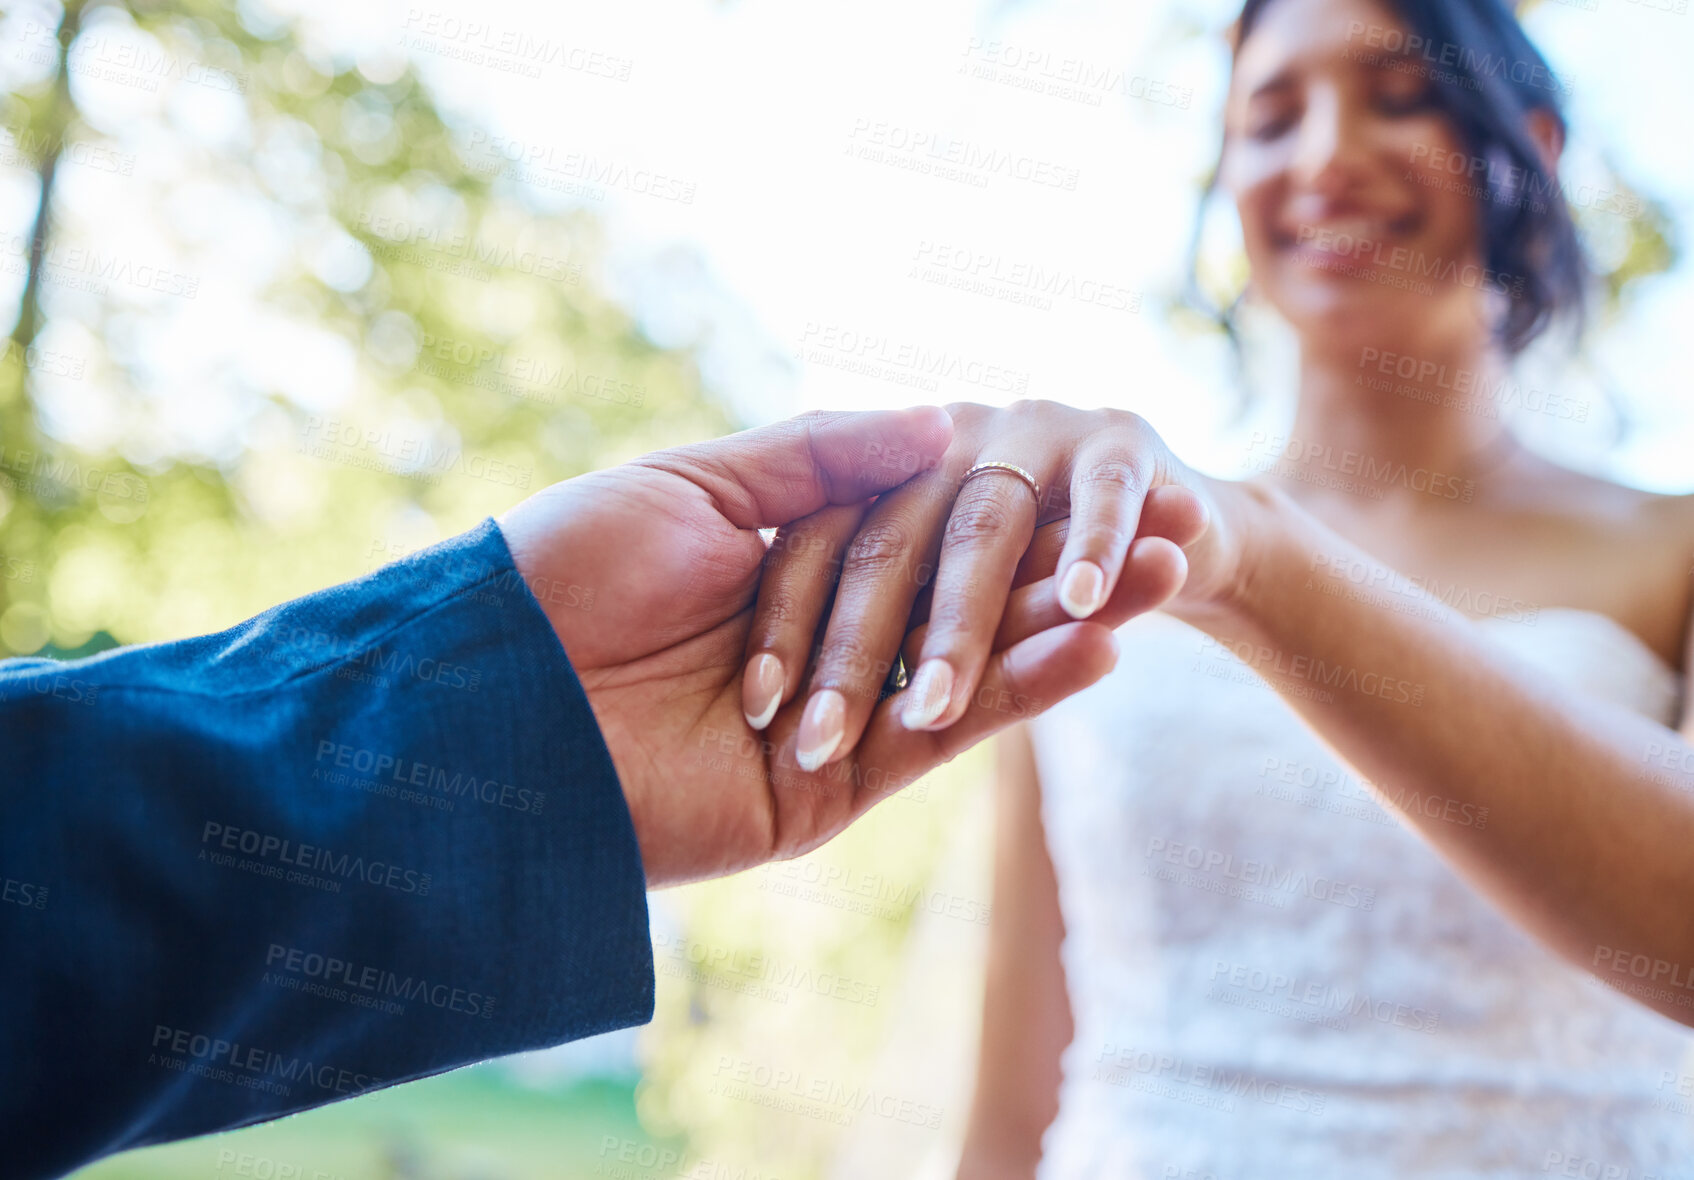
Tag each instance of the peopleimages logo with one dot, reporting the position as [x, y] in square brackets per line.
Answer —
[756, 966]
[1473, 390]
[309, 857]
[304, 642]
[98, 268]
[1266, 661]
[1406, 49]
[510, 50]
[1170, 1076]
[902, 361]
[39, 469]
[375, 981]
[1014, 281]
[950, 158]
[23, 893]
[133, 63]
[1260, 874]
[1307, 461]
[740, 1078]
[409, 772]
[1313, 1001]
[1644, 967]
[1409, 261]
[396, 231]
[231, 1061]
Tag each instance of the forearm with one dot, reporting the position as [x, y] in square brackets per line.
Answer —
[368, 836]
[1026, 1014]
[1586, 841]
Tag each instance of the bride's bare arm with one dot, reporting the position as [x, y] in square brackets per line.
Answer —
[1591, 805]
[1026, 1017]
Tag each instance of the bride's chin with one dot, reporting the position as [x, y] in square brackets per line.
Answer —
[1332, 315]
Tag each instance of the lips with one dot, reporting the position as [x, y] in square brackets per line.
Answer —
[1341, 237]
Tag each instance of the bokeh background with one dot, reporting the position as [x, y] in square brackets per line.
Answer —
[297, 289]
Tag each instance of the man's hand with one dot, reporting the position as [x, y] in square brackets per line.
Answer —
[668, 548]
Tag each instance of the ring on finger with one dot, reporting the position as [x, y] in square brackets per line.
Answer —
[988, 465]
[898, 678]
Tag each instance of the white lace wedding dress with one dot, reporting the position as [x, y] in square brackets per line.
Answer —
[1271, 977]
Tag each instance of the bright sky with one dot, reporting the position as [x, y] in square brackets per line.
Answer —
[764, 195]
[795, 245]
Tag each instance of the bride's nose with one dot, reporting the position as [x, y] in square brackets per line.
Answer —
[1331, 148]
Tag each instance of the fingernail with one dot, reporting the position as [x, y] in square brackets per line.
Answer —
[928, 695]
[822, 727]
[761, 689]
[1083, 589]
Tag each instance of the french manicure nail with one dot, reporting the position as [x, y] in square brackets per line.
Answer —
[761, 689]
[927, 697]
[1083, 589]
[822, 727]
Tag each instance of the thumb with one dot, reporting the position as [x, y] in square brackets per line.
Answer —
[775, 474]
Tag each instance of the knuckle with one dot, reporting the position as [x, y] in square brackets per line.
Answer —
[878, 548]
[1042, 410]
[952, 620]
[1111, 474]
[979, 517]
[780, 607]
[967, 416]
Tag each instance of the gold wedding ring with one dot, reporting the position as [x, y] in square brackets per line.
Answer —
[996, 465]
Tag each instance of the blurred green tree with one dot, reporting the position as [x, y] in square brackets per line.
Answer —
[281, 320]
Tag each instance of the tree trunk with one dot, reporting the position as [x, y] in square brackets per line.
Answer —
[17, 417]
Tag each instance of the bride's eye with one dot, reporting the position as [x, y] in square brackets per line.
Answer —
[1269, 121]
[1404, 98]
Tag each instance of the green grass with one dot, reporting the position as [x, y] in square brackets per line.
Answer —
[472, 1124]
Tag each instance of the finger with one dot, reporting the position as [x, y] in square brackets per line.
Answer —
[886, 564]
[799, 576]
[990, 526]
[776, 474]
[1108, 482]
[1170, 511]
[1042, 557]
[1018, 684]
[1153, 574]
[1043, 552]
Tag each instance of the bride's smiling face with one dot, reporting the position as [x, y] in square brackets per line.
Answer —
[1339, 162]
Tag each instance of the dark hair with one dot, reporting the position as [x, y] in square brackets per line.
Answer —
[1487, 76]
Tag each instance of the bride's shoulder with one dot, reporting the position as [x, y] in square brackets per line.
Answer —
[1584, 495]
[1645, 538]
[1673, 516]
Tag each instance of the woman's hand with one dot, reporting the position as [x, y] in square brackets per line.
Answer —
[1105, 540]
[667, 551]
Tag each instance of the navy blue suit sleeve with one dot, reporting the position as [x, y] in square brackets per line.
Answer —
[368, 836]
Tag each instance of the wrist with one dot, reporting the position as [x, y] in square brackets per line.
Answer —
[1230, 565]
